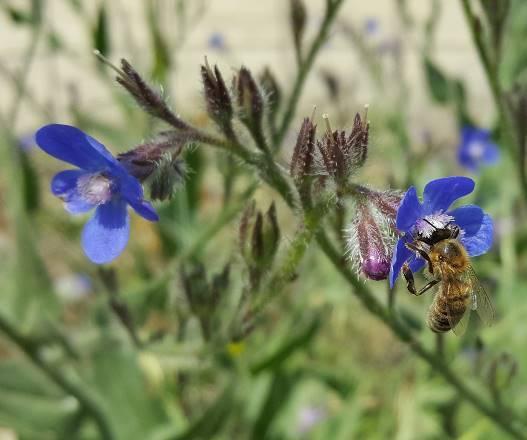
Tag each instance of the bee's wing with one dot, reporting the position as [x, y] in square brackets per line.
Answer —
[480, 300]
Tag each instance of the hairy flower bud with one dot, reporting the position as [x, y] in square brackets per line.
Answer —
[298, 16]
[217, 97]
[259, 236]
[250, 101]
[342, 155]
[157, 163]
[151, 101]
[303, 154]
[272, 91]
[367, 245]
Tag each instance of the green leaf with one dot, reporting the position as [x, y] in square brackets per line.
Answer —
[31, 184]
[438, 83]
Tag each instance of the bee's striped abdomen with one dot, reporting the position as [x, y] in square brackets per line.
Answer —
[456, 302]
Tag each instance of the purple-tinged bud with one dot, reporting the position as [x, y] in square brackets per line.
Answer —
[367, 245]
[342, 155]
[151, 101]
[250, 100]
[217, 97]
[386, 202]
[303, 154]
[272, 91]
[143, 160]
[298, 16]
[157, 164]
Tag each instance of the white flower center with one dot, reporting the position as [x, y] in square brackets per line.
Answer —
[427, 225]
[95, 188]
[476, 149]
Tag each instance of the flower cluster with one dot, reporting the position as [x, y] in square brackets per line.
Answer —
[100, 182]
[416, 219]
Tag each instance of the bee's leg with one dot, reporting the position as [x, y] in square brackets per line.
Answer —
[426, 287]
[409, 277]
[423, 252]
[455, 231]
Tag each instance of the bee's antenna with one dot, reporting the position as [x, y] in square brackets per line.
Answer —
[433, 226]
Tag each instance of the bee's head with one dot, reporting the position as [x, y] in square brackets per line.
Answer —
[449, 255]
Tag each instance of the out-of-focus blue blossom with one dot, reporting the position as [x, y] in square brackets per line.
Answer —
[217, 41]
[74, 287]
[371, 26]
[476, 149]
[101, 182]
[476, 227]
[309, 417]
[27, 142]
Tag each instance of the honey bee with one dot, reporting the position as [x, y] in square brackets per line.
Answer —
[459, 290]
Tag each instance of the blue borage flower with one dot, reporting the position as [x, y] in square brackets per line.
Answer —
[101, 183]
[476, 228]
[476, 149]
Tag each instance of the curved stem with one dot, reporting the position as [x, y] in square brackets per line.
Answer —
[305, 67]
[83, 396]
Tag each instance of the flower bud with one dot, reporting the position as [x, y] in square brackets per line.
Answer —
[272, 91]
[157, 163]
[342, 155]
[250, 101]
[303, 154]
[298, 18]
[259, 238]
[217, 97]
[366, 244]
[203, 296]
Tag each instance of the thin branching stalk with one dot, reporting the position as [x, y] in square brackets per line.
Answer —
[332, 8]
[490, 67]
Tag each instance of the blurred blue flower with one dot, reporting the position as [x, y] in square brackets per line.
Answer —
[476, 228]
[26, 142]
[371, 26]
[217, 41]
[101, 183]
[309, 417]
[476, 148]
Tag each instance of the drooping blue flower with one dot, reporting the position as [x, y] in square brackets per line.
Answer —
[476, 228]
[101, 182]
[476, 148]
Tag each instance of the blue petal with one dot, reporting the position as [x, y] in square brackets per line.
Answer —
[106, 234]
[466, 160]
[64, 185]
[416, 263]
[468, 218]
[400, 255]
[72, 145]
[439, 194]
[481, 241]
[491, 154]
[409, 210]
[145, 210]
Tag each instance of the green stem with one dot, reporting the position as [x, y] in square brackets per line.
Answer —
[83, 396]
[515, 145]
[304, 68]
